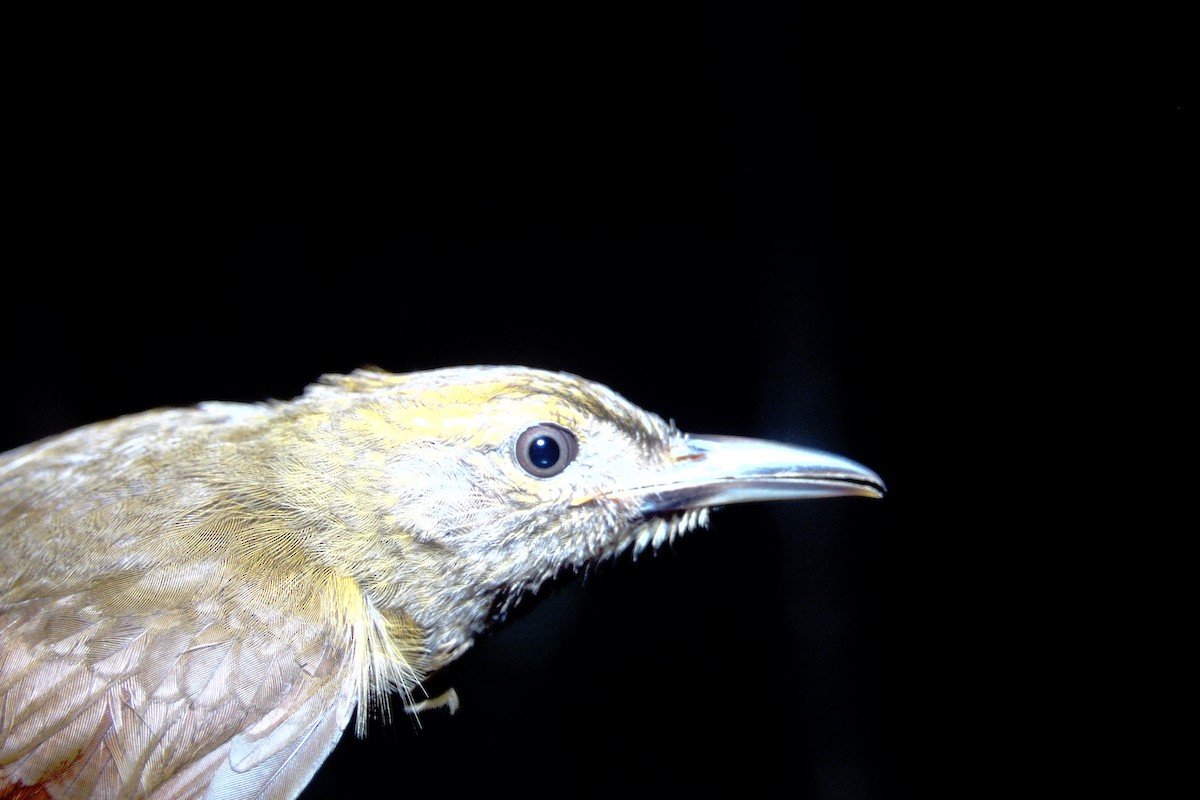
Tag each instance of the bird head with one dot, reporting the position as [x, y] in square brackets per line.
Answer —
[490, 480]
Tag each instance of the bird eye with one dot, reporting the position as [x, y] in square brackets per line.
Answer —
[545, 450]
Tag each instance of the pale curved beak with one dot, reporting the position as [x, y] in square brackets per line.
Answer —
[721, 470]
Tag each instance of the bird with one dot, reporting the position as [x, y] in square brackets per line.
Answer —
[194, 601]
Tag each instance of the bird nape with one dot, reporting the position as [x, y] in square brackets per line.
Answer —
[194, 601]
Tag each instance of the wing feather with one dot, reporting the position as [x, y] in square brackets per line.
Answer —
[181, 711]
[165, 631]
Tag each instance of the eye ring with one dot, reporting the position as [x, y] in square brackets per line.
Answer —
[545, 450]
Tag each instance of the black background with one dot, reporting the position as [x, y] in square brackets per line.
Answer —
[760, 223]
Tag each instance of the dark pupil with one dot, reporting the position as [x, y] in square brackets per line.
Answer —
[543, 452]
